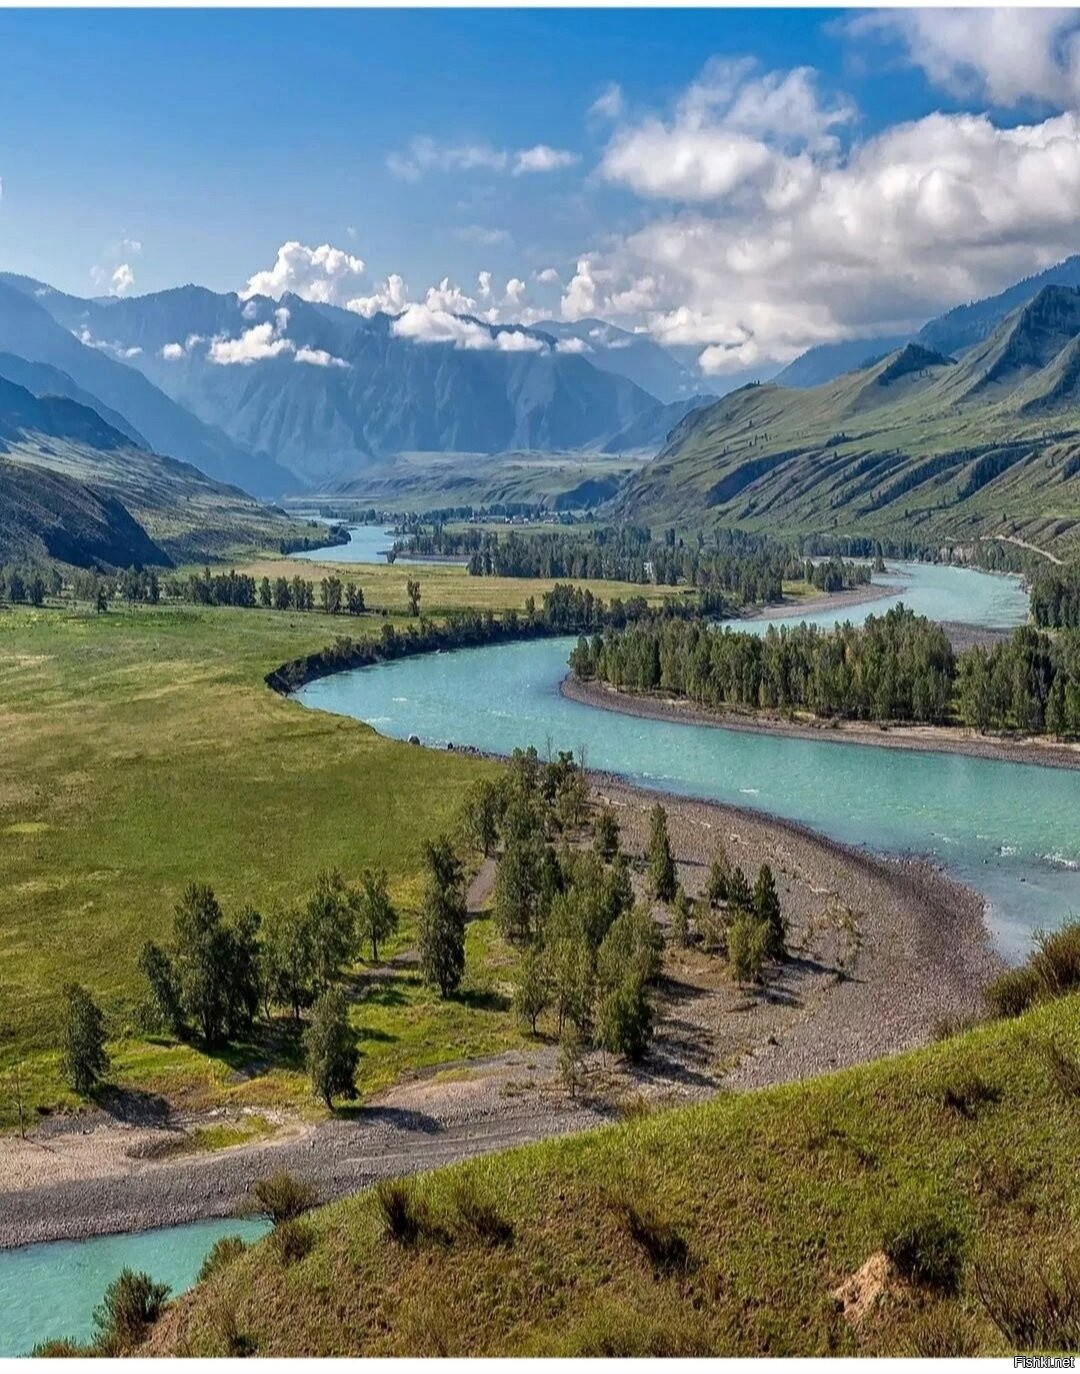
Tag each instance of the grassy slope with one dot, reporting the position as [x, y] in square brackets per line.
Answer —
[778, 1195]
[140, 751]
[821, 482]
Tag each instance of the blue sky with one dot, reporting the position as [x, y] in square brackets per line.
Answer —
[209, 139]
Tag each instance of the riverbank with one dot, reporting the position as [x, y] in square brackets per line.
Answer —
[813, 605]
[937, 739]
[882, 951]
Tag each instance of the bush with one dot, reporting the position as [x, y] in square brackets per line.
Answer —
[221, 1255]
[476, 1217]
[926, 1247]
[1056, 961]
[59, 1349]
[292, 1240]
[1034, 1301]
[282, 1197]
[132, 1302]
[1012, 992]
[405, 1217]
[232, 1343]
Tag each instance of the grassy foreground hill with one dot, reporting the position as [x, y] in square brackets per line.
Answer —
[919, 444]
[726, 1228]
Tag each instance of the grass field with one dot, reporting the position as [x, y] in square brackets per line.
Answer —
[139, 751]
[718, 1229]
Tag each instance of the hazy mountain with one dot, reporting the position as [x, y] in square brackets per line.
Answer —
[32, 332]
[951, 333]
[918, 444]
[43, 380]
[327, 392]
[652, 429]
[105, 477]
[635, 356]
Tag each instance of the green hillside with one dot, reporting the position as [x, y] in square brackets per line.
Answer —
[725, 1228]
[919, 444]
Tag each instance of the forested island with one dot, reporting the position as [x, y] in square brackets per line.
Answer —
[898, 667]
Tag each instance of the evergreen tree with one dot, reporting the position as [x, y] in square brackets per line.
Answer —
[532, 990]
[83, 1057]
[748, 944]
[441, 924]
[719, 879]
[331, 916]
[661, 863]
[767, 910]
[330, 1048]
[376, 916]
[606, 834]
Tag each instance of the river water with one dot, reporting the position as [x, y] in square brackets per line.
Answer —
[50, 1291]
[1009, 830]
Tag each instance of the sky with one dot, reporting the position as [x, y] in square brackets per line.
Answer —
[744, 183]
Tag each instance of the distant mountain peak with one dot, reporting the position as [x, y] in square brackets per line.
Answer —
[912, 359]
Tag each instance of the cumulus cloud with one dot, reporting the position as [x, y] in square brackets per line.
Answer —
[325, 274]
[255, 345]
[448, 298]
[318, 357]
[775, 229]
[547, 277]
[483, 285]
[427, 325]
[515, 291]
[425, 155]
[543, 159]
[1006, 56]
[390, 297]
[172, 352]
[572, 346]
[118, 350]
[122, 280]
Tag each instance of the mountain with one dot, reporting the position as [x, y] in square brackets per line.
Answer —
[112, 500]
[635, 356]
[328, 393]
[823, 362]
[31, 332]
[43, 380]
[652, 429]
[919, 445]
[951, 333]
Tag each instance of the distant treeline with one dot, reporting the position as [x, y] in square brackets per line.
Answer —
[327, 538]
[28, 586]
[897, 667]
[730, 569]
[1055, 597]
[564, 610]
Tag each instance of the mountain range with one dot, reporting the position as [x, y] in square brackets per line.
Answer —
[921, 443]
[286, 396]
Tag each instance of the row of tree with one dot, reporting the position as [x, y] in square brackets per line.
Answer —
[1055, 597]
[896, 667]
[28, 586]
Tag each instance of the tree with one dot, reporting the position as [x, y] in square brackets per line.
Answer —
[482, 813]
[518, 889]
[571, 1058]
[83, 1057]
[716, 885]
[441, 924]
[681, 913]
[330, 1047]
[748, 943]
[211, 974]
[624, 1017]
[354, 599]
[376, 916]
[157, 968]
[661, 864]
[532, 990]
[412, 590]
[767, 910]
[606, 834]
[739, 896]
[287, 961]
[331, 916]
[331, 591]
[266, 594]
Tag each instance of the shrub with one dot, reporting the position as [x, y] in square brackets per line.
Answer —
[1056, 961]
[1064, 1070]
[1034, 1301]
[1012, 992]
[925, 1245]
[132, 1302]
[221, 1255]
[292, 1240]
[232, 1343]
[748, 944]
[282, 1197]
[59, 1349]
[405, 1217]
[476, 1217]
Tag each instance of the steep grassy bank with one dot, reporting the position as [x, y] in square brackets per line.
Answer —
[719, 1229]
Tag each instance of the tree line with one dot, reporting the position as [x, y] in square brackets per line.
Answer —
[896, 667]
[1055, 598]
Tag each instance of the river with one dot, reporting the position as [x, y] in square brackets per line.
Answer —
[1007, 829]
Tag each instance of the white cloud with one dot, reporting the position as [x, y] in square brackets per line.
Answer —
[543, 159]
[390, 297]
[771, 234]
[515, 290]
[609, 103]
[318, 357]
[425, 154]
[482, 235]
[255, 345]
[118, 350]
[572, 346]
[130, 247]
[172, 352]
[547, 277]
[447, 297]
[122, 280]
[1006, 56]
[324, 274]
[483, 286]
[427, 325]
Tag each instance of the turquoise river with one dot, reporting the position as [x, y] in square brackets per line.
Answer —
[1010, 830]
